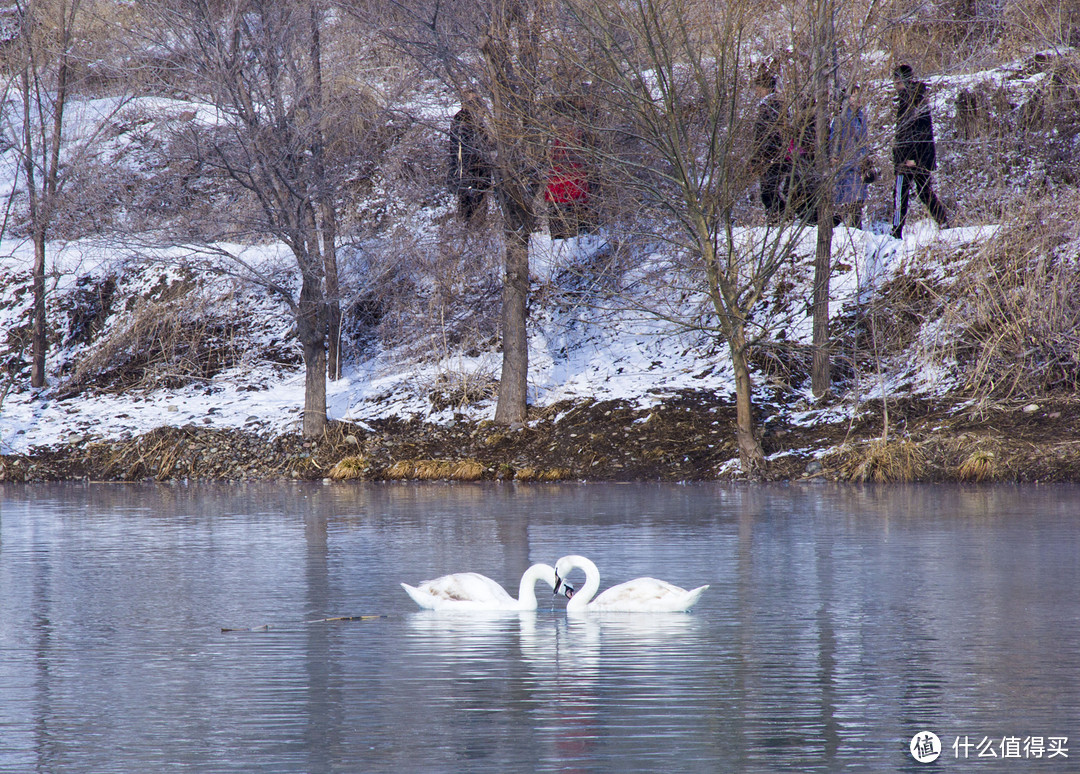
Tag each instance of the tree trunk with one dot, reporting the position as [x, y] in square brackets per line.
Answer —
[324, 197]
[513, 383]
[42, 191]
[511, 56]
[39, 340]
[820, 370]
[751, 455]
[333, 293]
[311, 330]
[314, 389]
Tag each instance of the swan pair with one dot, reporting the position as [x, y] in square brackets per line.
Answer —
[471, 591]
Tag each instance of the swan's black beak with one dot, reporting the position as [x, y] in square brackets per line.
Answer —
[568, 590]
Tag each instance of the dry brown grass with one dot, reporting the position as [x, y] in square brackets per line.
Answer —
[543, 474]
[885, 462]
[435, 470]
[980, 465]
[162, 454]
[458, 389]
[1014, 317]
[171, 336]
[351, 468]
[954, 34]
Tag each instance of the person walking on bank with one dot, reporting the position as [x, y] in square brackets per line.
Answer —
[855, 168]
[567, 190]
[470, 172]
[914, 154]
[767, 157]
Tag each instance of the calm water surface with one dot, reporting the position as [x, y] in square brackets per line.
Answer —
[840, 623]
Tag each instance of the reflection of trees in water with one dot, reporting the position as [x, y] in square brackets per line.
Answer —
[862, 610]
[324, 733]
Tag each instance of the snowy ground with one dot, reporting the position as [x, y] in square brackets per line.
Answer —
[624, 355]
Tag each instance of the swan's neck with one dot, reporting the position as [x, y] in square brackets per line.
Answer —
[527, 587]
[588, 590]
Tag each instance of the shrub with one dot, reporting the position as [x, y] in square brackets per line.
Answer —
[1014, 323]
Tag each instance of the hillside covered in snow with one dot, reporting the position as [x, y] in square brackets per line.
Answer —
[169, 308]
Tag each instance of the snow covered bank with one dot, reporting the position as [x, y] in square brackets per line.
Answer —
[575, 352]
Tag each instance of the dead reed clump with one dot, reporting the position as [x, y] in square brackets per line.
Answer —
[884, 461]
[402, 470]
[460, 389]
[543, 474]
[161, 454]
[171, 335]
[980, 465]
[351, 468]
[435, 470]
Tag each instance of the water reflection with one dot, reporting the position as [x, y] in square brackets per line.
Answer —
[840, 621]
[564, 668]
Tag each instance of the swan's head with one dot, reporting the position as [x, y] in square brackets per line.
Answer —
[567, 589]
[565, 565]
[561, 569]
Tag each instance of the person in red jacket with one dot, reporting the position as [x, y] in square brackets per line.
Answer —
[567, 191]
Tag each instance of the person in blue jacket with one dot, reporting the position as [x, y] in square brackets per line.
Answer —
[854, 167]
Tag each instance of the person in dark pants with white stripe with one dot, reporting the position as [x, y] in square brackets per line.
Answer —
[914, 154]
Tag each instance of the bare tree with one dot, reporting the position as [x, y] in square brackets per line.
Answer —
[826, 43]
[494, 48]
[673, 71]
[49, 61]
[511, 51]
[261, 64]
[44, 51]
[313, 101]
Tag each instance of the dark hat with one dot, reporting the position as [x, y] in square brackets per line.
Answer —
[903, 71]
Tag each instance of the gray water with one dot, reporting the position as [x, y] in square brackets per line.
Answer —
[840, 623]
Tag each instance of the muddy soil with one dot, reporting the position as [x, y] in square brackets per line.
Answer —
[690, 437]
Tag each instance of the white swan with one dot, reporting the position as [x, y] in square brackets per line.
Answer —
[473, 591]
[641, 595]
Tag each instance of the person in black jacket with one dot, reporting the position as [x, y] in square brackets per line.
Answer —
[768, 154]
[470, 171]
[914, 154]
